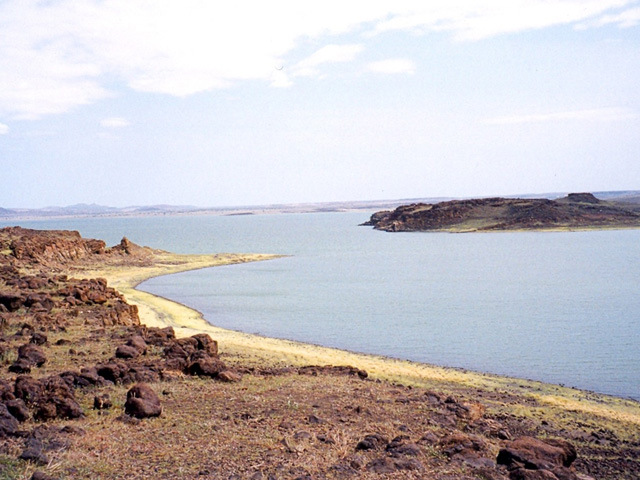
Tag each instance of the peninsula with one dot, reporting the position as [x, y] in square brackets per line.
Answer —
[576, 211]
[100, 380]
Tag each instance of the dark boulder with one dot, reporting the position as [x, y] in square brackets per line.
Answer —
[31, 354]
[8, 423]
[38, 338]
[138, 343]
[57, 401]
[529, 458]
[372, 442]
[142, 402]
[11, 301]
[126, 352]
[28, 389]
[206, 343]
[206, 367]
[116, 372]
[18, 409]
[159, 336]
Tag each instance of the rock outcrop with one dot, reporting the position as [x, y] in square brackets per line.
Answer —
[577, 210]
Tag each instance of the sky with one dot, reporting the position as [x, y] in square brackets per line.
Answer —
[205, 103]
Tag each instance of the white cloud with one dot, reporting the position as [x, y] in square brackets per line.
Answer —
[60, 54]
[596, 114]
[469, 20]
[393, 65]
[4, 129]
[327, 54]
[114, 122]
[625, 19]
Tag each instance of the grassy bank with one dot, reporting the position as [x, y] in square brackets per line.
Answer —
[529, 399]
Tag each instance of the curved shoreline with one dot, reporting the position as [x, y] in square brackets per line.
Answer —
[257, 351]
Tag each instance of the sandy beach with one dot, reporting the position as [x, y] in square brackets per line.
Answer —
[259, 351]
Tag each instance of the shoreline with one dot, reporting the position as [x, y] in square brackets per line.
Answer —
[257, 351]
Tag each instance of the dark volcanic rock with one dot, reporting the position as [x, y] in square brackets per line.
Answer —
[57, 400]
[142, 402]
[31, 354]
[126, 352]
[18, 409]
[531, 458]
[575, 211]
[372, 442]
[8, 423]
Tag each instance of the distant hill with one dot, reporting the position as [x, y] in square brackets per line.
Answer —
[575, 211]
[95, 210]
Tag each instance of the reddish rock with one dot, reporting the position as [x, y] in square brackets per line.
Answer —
[126, 352]
[529, 458]
[206, 367]
[31, 354]
[535, 454]
[206, 343]
[159, 336]
[138, 343]
[142, 402]
[28, 389]
[57, 401]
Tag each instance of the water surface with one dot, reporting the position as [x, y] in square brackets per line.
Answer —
[560, 307]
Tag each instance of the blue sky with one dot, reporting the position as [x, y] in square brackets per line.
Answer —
[125, 102]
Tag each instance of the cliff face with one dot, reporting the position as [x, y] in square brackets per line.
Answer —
[577, 210]
[59, 248]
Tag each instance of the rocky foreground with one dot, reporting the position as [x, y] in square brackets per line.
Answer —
[86, 391]
[576, 211]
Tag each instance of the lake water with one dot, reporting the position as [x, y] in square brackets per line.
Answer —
[561, 307]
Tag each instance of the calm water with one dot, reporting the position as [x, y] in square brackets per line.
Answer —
[558, 307]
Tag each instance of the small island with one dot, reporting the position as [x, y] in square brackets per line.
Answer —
[576, 211]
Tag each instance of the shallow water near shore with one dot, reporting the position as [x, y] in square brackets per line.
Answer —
[561, 307]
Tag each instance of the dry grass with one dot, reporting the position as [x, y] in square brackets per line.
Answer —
[260, 351]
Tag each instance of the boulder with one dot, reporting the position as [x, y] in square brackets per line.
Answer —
[11, 301]
[18, 409]
[31, 354]
[535, 454]
[126, 352]
[38, 338]
[137, 342]
[142, 402]
[206, 343]
[57, 401]
[28, 389]
[372, 442]
[159, 336]
[8, 423]
[206, 367]
[529, 458]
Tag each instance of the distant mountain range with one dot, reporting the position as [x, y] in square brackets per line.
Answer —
[94, 210]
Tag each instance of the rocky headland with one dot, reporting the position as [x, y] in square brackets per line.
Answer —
[89, 391]
[575, 211]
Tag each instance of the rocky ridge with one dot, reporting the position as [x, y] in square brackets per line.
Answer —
[575, 211]
[81, 379]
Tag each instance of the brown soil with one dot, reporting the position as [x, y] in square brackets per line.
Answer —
[224, 418]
